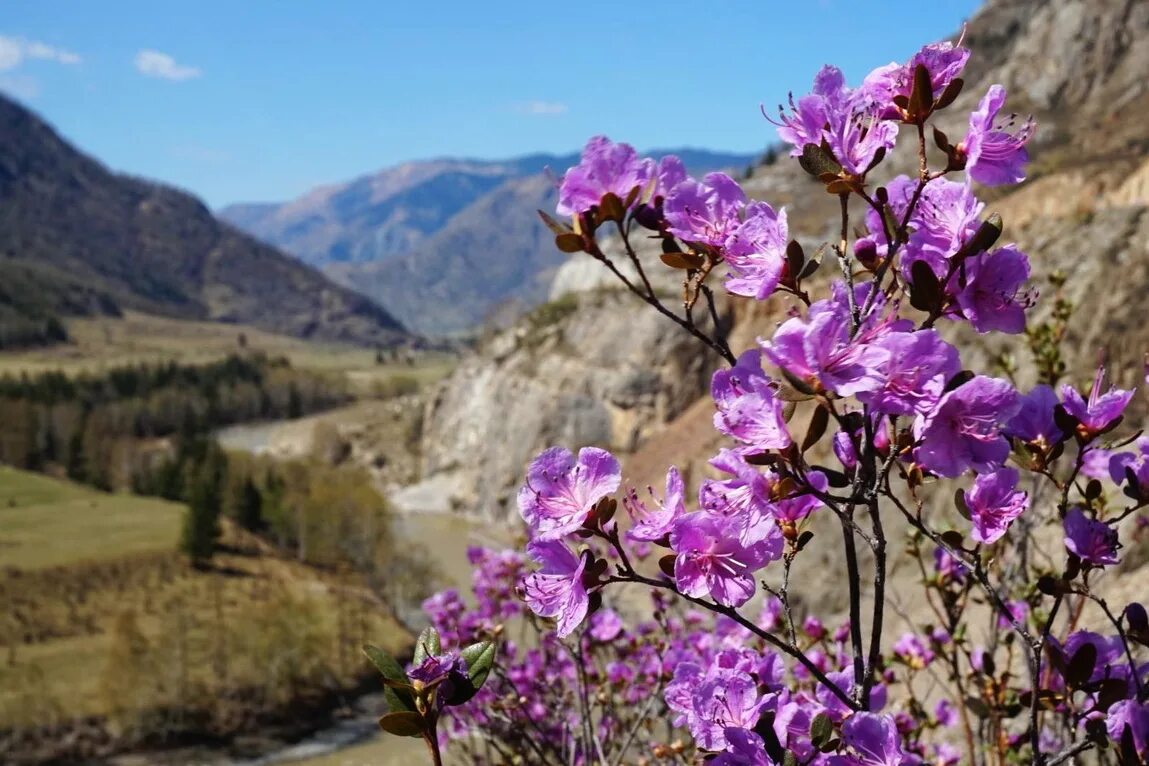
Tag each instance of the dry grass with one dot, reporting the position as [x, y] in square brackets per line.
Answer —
[101, 343]
[102, 617]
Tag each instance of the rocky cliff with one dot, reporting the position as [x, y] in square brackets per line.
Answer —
[1082, 212]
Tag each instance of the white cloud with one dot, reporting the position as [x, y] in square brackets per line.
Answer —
[152, 63]
[541, 108]
[15, 50]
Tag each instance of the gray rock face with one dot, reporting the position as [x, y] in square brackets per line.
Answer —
[597, 369]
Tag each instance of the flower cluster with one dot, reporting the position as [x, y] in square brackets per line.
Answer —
[892, 411]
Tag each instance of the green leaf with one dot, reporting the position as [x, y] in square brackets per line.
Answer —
[398, 699]
[480, 658]
[817, 161]
[403, 723]
[821, 730]
[427, 645]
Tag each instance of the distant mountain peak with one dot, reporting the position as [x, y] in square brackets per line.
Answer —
[441, 242]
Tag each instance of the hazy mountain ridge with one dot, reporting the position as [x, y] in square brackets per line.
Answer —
[132, 243]
[441, 243]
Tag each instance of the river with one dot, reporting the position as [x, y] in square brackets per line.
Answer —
[357, 741]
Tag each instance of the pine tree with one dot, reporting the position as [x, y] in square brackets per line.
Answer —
[248, 505]
[201, 522]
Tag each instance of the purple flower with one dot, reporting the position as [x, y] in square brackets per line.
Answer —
[994, 151]
[1137, 463]
[963, 430]
[994, 503]
[557, 590]
[813, 627]
[1094, 542]
[844, 450]
[911, 650]
[559, 492]
[447, 672]
[715, 701]
[990, 299]
[846, 120]
[743, 748]
[756, 252]
[1130, 718]
[1034, 423]
[717, 556]
[651, 526]
[821, 354]
[1018, 612]
[748, 409]
[945, 713]
[946, 216]
[798, 506]
[944, 61]
[947, 567]
[918, 366]
[605, 167]
[704, 212]
[871, 740]
[1100, 411]
[605, 625]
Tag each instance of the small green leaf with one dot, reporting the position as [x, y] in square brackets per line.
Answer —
[398, 698]
[427, 645]
[821, 730]
[403, 723]
[817, 161]
[480, 658]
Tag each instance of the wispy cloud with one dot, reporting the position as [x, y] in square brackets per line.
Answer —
[14, 51]
[542, 108]
[152, 63]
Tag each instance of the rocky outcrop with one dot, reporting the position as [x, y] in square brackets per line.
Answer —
[597, 368]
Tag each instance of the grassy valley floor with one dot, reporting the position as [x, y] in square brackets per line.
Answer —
[109, 640]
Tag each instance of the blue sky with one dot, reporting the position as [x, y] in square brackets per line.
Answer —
[260, 101]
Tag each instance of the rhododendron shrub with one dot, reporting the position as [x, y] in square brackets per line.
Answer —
[854, 413]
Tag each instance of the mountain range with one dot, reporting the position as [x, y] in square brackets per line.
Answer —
[444, 244]
[77, 238]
